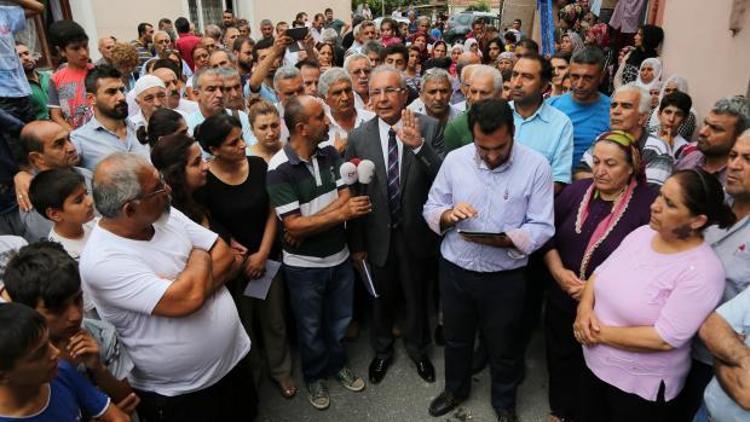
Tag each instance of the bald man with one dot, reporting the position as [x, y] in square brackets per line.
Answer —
[105, 49]
[174, 100]
[45, 145]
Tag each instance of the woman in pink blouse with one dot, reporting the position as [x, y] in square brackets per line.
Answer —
[644, 304]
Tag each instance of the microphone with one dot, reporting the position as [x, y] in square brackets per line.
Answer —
[348, 173]
[365, 173]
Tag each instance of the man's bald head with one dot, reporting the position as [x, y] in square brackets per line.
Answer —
[118, 179]
[46, 145]
[306, 110]
[105, 47]
[468, 58]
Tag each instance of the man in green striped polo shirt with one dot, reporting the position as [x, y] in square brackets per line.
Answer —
[313, 203]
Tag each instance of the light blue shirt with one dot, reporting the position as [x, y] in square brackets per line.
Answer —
[13, 82]
[196, 118]
[589, 120]
[722, 408]
[549, 132]
[94, 142]
[515, 198]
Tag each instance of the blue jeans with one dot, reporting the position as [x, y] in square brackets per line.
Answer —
[702, 415]
[321, 300]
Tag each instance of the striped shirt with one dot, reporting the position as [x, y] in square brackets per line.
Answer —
[300, 187]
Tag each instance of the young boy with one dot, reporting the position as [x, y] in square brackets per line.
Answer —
[43, 277]
[34, 384]
[60, 195]
[67, 91]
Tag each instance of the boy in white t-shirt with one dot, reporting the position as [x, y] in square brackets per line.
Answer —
[60, 195]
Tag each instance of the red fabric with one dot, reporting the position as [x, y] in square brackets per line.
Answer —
[185, 45]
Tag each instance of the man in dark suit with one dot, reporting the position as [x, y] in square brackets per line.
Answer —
[407, 150]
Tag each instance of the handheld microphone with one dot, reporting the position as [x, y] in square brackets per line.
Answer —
[365, 173]
[348, 173]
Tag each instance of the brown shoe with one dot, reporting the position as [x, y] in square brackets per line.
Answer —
[287, 387]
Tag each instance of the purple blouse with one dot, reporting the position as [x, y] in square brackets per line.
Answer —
[571, 245]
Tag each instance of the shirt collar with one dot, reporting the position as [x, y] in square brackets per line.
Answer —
[96, 125]
[542, 111]
[481, 165]
[295, 159]
[385, 127]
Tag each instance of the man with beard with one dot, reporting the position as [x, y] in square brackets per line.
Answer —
[39, 82]
[108, 130]
[233, 98]
[266, 28]
[435, 96]
[150, 95]
[210, 87]
[540, 126]
[166, 71]
[158, 277]
[143, 43]
[243, 51]
[726, 121]
[313, 203]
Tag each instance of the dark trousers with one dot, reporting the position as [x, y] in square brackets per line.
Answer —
[565, 362]
[537, 280]
[321, 299]
[233, 398]
[604, 402]
[690, 398]
[403, 275]
[493, 304]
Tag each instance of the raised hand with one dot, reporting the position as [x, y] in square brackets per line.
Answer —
[409, 132]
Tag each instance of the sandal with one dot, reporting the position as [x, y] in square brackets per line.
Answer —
[287, 387]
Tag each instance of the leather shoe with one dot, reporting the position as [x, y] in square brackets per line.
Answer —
[378, 368]
[506, 415]
[444, 403]
[425, 369]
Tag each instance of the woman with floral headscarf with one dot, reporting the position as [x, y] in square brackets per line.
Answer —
[571, 43]
[456, 52]
[592, 217]
[670, 85]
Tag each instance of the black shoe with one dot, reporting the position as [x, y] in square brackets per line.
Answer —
[378, 368]
[444, 403]
[425, 369]
[439, 336]
[506, 415]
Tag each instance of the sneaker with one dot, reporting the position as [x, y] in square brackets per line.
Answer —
[350, 381]
[317, 395]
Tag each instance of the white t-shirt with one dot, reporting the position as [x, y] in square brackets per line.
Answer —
[127, 278]
[74, 248]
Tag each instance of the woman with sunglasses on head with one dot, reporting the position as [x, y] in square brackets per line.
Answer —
[644, 304]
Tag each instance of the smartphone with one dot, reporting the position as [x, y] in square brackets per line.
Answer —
[297, 34]
[472, 233]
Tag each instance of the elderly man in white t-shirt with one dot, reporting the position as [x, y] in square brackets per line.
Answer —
[158, 277]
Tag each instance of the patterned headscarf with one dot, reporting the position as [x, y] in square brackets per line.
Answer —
[629, 146]
[600, 34]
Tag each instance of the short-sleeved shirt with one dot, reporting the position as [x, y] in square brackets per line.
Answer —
[40, 95]
[70, 396]
[67, 91]
[94, 142]
[722, 408]
[589, 120]
[549, 132]
[13, 83]
[301, 187]
[127, 278]
[144, 54]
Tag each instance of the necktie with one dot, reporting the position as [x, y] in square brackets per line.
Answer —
[394, 184]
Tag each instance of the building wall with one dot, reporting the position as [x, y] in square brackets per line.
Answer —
[699, 46]
[286, 10]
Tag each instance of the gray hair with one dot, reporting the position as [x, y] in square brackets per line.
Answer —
[228, 72]
[423, 19]
[372, 46]
[232, 58]
[284, 73]
[435, 74]
[329, 35]
[330, 77]
[204, 71]
[644, 97]
[213, 31]
[358, 29]
[469, 68]
[160, 32]
[737, 106]
[354, 57]
[114, 188]
[386, 68]
[266, 22]
[487, 70]
[589, 55]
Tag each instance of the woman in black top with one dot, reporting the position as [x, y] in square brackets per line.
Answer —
[235, 195]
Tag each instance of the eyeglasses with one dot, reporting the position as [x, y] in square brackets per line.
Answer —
[387, 91]
[161, 188]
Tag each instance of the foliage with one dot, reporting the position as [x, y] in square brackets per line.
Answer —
[390, 5]
[479, 6]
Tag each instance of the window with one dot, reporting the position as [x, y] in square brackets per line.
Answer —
[206, 12]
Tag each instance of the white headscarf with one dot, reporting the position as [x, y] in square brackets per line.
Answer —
[470, 42]
[682, 86]
[655, 64]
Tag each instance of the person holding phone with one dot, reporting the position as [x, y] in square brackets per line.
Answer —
[497, 186]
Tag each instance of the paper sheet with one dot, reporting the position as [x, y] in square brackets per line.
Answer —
[258, 288]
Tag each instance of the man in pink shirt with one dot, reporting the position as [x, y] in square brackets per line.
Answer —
[187, 41]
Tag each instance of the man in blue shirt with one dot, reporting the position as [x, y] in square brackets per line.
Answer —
[493, 200]
[586, 107]
[538, 125]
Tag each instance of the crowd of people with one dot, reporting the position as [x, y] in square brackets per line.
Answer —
[199, 208]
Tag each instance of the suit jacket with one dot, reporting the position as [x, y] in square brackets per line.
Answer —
[372, 233]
